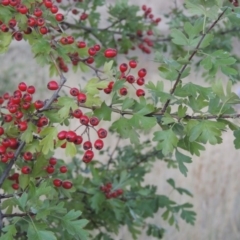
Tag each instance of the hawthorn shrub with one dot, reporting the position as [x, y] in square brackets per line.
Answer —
[102, 189]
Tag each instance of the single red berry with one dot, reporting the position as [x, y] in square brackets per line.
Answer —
[22, 126]
[26, 105]
[52, 161]
[71, 136]
[144, 7]
[43, 30]
[123, 91]
[16, 99]
[110, 53]
[6, 142]
[37, 12]
[67, 184]
[90, 60]
[7, 118]
[42, 121]
[22, 9]
[26, 170]
[52, 85]
[63, 169]
[84, 120]
[28, 30]
[87, 145]
[132, 64]
[123, 67]
[27, 156]
[83, 16]
[92, 51]
[22, 86]
[59, 17]
[81, 44]
[78, 140]
[81, 97]
[97, 47]
[70, 39]
[94, 121]
[140, 92]
[14, 177]
[12, 23]
[12, 108]
[6, 95]
[48, 3]
[57, 182]
[142, 72]
[88, 156]
[74, 92]
[4, 28]
[98, 144]
[18, 115]
[2, 149]
[5, 2]
[102, 133]
[1, 131]
[130, 79]
[54, 9]
[15, 186]
[62, 135]
[140, 81]
[111, 84]
[40, 22]
[107, 90]
[1, 100]
[10, 154]
[31, 89]
[13, 2]
[27, 97]
[38, 104]
[77, 113]
[4, 158]
[50, 169]
[31, 22]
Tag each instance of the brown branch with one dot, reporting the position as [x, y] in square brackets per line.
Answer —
[18, 215]
[189, 59]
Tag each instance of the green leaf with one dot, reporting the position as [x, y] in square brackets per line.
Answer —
[66, 104]
[178, 37]
[36, 232]
[93, 85]
[10, 232]
[167, 141]
[27, 135]
[47, 143]
[104, 112]
[237, 139]
[181, 159]
[24, 180]
[168, 73]
[127, 103]
[5, 40]
[96, 201]
[71, 150]
[188, 216]
[107, 67]
[22, 201]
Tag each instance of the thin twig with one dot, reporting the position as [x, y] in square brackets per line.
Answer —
[189, 59]
[113, 151]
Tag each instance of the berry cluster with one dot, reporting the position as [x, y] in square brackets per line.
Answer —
[107, 190]
[130, 79]
[34, 16]
[148, 14]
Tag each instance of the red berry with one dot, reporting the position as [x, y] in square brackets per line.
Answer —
[27, 97]
[2, 150]
[27, 156]
[48, 3]
[84, 16]
[87, 145]
[26, 170]
[22, 86]
[107, 90]
[98, 144]
[88, 156]
[37, 12]
[82, 97]
[7, 118]
[38, 104]
[12, 23]
[67, 184]
[110, 53]
[43, 30]
[31, 89]
[140, 81]
[71, 136]
[15, 186]
[4, 158]
[1, 131]
[84, 120]
[50, 169]
[63, 169]
[5, 2]
[142, 72]
[31, 22]
[70, 39]
[90, 60]
[10, 154]
[52, 161]
[78, 140]
[130, 79]
[81, 44]
[62, 135]
[74, 92]
[26, 105]
[123, 67]
[140, 92]
[77, 113]
[102, 133]
[123, 91]
[13, 143]
[57, 182]
[132, 64]
[40, 22]
[42, 121]
[52, 85]
[54, 9]
[97, 47]
[94, 121]
[22, 9]
[91, 51]
[22, 126]
[59, 17]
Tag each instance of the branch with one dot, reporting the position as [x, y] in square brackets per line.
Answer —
[18, 215]
[189, 59]
[113, 151]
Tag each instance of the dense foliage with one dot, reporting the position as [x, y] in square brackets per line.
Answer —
[102, 189]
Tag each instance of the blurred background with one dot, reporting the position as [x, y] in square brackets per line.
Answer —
[213, 178]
